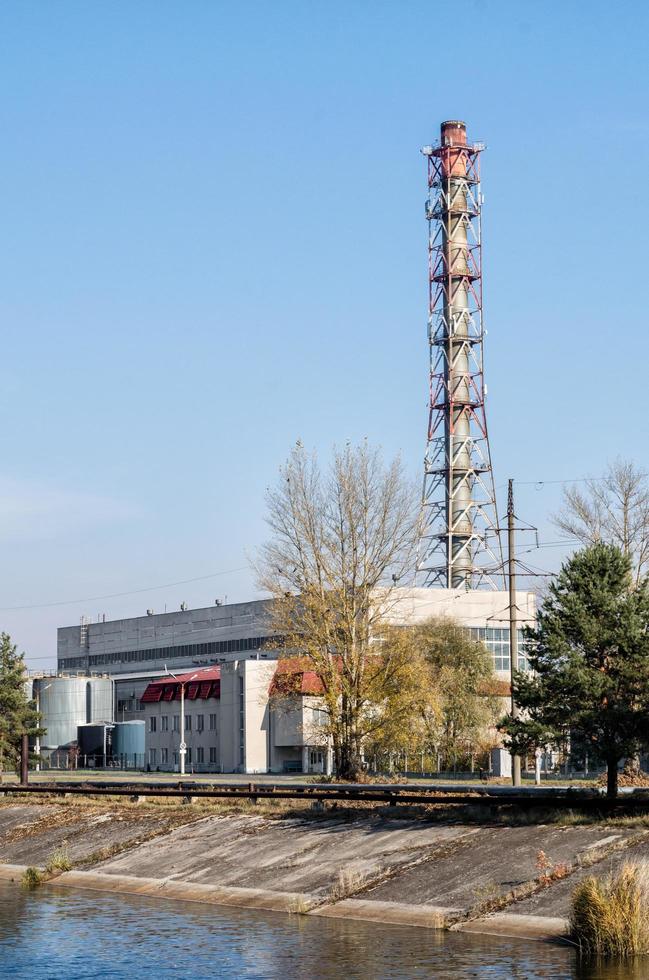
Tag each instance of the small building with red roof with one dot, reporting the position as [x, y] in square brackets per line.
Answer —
[242, 716]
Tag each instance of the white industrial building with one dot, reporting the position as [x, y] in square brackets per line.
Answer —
[137, 650]
[235, 727]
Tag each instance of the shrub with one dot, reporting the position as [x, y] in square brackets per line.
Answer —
[59, 861]
[610, 916]
[31, 878]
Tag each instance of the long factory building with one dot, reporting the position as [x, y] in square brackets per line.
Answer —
[236, 731]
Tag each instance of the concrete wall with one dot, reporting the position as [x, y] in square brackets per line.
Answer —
[162, 735]
[187, 638]
[245, 715]
[124, 645]
[473, 608]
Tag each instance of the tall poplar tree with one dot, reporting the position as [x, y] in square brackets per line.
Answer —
[18, 715]
[341, 540]
[589, 659]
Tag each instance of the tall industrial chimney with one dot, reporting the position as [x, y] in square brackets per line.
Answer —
[461, 544]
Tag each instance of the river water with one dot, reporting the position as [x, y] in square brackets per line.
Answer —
[64, 935]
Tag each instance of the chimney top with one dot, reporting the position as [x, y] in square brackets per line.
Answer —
[453, 132]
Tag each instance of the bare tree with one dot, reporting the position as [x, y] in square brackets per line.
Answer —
[614, 509]
[341, 541]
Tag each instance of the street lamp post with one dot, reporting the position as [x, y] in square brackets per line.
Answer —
[183, 744]
[182, 748]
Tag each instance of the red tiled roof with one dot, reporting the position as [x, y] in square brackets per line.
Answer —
[293, 675]
[212, 673]
[203, 683]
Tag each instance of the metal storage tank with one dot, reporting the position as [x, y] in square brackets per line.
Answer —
[128, 743]
[67, 702]
[95, 739]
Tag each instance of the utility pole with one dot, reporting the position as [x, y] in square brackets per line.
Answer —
[513, 624]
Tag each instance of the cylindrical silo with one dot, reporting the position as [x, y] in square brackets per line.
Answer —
[67, 702]
[95, 742]
[128, 744]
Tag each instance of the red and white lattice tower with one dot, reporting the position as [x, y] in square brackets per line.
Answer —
[461, 544]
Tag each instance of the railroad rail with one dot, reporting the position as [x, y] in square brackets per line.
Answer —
[386, 794]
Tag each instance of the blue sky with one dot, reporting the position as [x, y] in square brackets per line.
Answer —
[213, 244]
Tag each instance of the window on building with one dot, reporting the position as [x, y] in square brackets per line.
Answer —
[213, 758]
[496, 640]
[175, 760]
[164, 757]
[152, 757]
[200, 754]
[153, 721]
[164, 723]
[213, 723]
[188, 723]
[176, 723]
[200, 722]
[188, 756]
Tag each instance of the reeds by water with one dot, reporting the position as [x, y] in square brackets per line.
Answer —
[610, 916]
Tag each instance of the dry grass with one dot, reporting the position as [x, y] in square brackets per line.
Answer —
[32, 878]
[610, 916]
[299, 906]
[348, 882]
[59, 861]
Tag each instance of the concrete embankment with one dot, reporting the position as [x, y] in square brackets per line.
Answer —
[365, 865]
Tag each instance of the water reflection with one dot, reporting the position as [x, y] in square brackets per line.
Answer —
[60, 935]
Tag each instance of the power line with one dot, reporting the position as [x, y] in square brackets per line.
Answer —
[118, 595]
[575, 479]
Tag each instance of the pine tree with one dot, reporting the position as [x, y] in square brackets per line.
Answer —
[589, 659]
[18, 715]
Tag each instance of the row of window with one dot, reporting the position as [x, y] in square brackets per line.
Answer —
[189, 757]
[168, 653]
[175, 722]
[496, 640]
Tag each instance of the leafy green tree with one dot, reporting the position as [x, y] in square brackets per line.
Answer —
[464, 705]
[448, 697]
[18, 715]
[589, 655]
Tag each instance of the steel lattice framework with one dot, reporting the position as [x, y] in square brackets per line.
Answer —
[461, 544]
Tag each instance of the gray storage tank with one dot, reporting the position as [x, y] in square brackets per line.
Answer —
[128, 743]
[67, 702]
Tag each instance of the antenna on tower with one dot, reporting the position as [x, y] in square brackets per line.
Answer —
[460, 546]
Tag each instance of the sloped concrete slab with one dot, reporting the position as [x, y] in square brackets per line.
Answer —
[303, 857]
[393, 913]
[31, 834]
[488, 865]
[252, 898]
[556, 900]
[517, 926]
